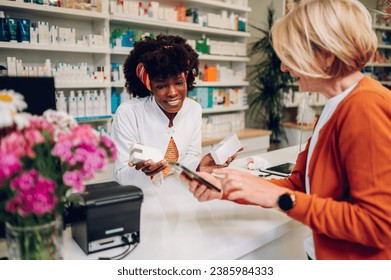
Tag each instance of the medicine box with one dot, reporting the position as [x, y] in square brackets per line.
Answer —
[226, 148]
[139, 153]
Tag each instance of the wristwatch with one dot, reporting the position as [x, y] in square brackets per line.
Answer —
[286, 201]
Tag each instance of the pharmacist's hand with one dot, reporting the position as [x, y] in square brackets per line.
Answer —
[200, 191]
[245, 188]
[149, 167]
[207, 163]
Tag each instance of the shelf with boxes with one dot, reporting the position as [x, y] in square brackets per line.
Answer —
[222, 49]
[63, 12]
[69, 44]
[84, 42]
[380, 66]
[235, 5]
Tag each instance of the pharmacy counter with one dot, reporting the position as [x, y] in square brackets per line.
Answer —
[174, 225]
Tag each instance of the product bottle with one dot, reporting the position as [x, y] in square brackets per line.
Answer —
[115, 100]
[81, 113]
[61, 102]
[141, 11]
[72, 104]
[124, 96]
[88, 103]
[12, 30]
[150, 11]
[102, 103]
[95, 103]
[47, 69]
[209, 127]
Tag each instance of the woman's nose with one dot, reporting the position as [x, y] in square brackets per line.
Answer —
[172, 90]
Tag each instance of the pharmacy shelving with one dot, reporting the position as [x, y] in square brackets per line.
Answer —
[41, 10]
[224, 109]
[380, 67]
[193, 31]
[384, 47]
[222, 84]
[84, 85]
[381, 27]
[219, 5]
[199, 84]
[183, 26]
[374, 64]
[53, 48]
[94, 119]
[90, 22]
[223, 58]
[85, 23]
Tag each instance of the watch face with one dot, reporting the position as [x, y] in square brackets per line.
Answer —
[285, 202]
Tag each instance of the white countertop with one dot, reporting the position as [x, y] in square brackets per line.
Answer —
[174, 225]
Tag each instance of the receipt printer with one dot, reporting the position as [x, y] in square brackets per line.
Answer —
[105, 216]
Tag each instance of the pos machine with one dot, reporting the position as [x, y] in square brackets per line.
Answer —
[105, 216]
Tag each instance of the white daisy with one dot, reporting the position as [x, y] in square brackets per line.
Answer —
[10, 103]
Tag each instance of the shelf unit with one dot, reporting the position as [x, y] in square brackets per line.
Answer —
[379, 70]
[89, 22]
[85, 23]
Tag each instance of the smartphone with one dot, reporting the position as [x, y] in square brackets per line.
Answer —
[192, 175]
[284, 169]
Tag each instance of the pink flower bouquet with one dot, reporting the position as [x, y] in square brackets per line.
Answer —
[42, 159]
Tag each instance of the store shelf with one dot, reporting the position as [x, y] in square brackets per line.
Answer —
[384, 47]
[89, 22]
[146, 21]
[93, 119]
[118, 84]
[223, 58]
[121, 51]
[53, 48]
[224, 109]
[382, 27]
[57, 11]
[222, 84]
[200, 84]
[245, 133]
[81, 85]
[374, 64]
[304, 127]
[125, 51]
[218, 4]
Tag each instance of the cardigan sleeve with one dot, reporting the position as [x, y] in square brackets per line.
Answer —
[296, 181]
[362, 213]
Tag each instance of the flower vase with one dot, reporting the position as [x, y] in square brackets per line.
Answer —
[40, 242]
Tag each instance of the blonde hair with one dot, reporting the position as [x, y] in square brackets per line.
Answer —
[316, 29]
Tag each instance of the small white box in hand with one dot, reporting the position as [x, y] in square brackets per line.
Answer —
[139, 153]
[226, 148]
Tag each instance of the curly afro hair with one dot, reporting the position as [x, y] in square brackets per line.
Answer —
[164, 57]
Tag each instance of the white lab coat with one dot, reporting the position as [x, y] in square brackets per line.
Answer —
[141, 121]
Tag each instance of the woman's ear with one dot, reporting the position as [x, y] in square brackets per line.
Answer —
[329, 60]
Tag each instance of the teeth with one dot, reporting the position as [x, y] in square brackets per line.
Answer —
[173, 102]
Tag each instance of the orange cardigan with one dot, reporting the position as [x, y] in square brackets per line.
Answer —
[349, 209]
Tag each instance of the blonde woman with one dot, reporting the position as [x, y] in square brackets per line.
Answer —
[341, 184]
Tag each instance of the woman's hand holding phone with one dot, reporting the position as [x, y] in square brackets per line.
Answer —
[201, 191]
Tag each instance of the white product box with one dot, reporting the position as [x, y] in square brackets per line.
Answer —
[139, 153]
[226, 148]
[11, 66]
